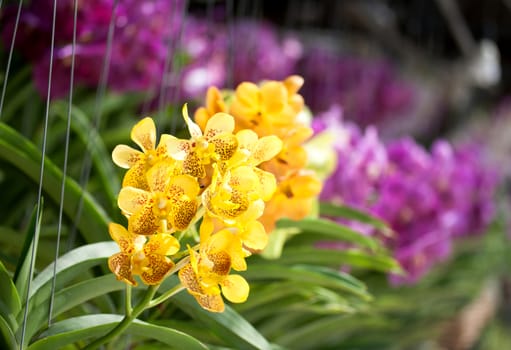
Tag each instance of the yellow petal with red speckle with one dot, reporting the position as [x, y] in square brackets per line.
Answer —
[156, 269]
[162, 244]
[144, 221]
[125, 156]
[132, 199]
[136, 177]
[122, 237]
[218, 124]
[120, 265]
[144, 134]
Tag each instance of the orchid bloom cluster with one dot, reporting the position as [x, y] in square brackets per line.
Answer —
[170, 185]
[428, 198]
[273, 108]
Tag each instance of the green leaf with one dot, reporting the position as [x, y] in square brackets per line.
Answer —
[8, 340]
[323, 229]
[68, 298]
[71, 265]
[336, 258]
[350, 213]
[85, 327]
[22, 274]
[229, 326]
[10, 303]
[90, 138]
[319, 276]
[25, 156]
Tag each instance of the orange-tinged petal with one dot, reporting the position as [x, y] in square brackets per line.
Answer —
[156, 269]
[214, 101]
[235, 288]
[268, 184]
[144, 134]
[132, 199]
[218, 124]
[120, 265]
[255, 236]
[274, 96]
[136, 177]
[193, 128]
[144, 221]
[162, 244]
[125, 156]
[248, 93]
[293, 83]
[201, 117]
[303, 186]
[122, 237]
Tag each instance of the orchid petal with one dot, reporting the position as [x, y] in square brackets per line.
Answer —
[144, 134]
[235, 288]
[125, 156]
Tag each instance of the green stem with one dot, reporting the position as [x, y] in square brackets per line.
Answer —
[168, 294]
[127, 301]
[126, 321]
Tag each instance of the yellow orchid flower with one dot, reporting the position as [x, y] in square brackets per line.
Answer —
[239, 240]
[264, 109]
[138, 162]
[214, 104]
[216, 144]
[238, 194]
[141, 256]
[293, 199]
[171, 203]
[207, 276]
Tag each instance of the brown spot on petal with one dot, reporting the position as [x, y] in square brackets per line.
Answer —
[183, 214]
[189, 279]
[120, 265]
[135, 177]
[225, 146]
[221, 263]
[144, 221]
[192, 166]
[156, 269]
[213, 303]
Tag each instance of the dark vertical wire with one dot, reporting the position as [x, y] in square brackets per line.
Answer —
[9, 59]
[177, 66]
[64, 169]
[35, 241]
[100, 93]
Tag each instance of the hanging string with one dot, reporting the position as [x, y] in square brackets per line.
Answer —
[100, 93]
[9, 59]
[35, 241]
[64, 169]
